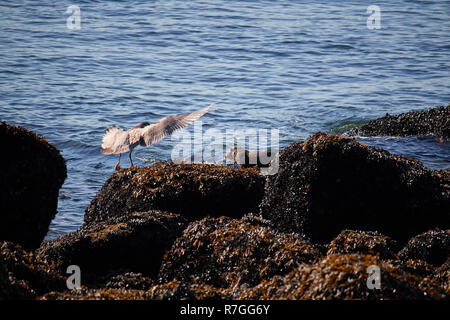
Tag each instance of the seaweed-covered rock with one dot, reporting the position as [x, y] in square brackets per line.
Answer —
[130, 280]
[23, 276]
[224, 252]
[435, 121]
[32, 173]
[192, 190]
[329, 183]
[344, 276]
[133, 243]
[443, 276]
[174, 290]
[374, 243]
[432, 246]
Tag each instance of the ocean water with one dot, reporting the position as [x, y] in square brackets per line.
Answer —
[295, 66]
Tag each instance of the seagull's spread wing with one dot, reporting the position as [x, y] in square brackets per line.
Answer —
[115, 141]
[166, 126]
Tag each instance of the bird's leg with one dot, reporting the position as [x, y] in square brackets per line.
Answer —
[118, 164]
[131, 160]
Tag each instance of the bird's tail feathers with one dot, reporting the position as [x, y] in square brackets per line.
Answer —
[108, 139]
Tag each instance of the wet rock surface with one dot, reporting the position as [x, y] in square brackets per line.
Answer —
[32, 173]
[132, 243]
[192, 190]
[329, 183]
[435, 121]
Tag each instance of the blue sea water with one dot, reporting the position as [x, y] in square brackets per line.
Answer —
[296, 66]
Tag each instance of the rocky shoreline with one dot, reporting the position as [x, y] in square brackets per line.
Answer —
[433, 121]
[335, 208]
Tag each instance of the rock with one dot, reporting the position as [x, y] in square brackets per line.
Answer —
[329, 183]
[443, 276]
[173, 290]
[247, 159]
[192, 190]
[225, 252]
[133, 243]
[435, 121]
[32, 173]
[96, 294]
[374, 243]
[23, 276]
[432, 246]
[176, 290]
[344, 276]
[130, 280]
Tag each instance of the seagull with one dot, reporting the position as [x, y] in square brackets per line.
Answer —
[118, 141]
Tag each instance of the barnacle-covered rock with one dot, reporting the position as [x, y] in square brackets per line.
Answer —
[435, 121]
[85, 293]
[32, 173]
[443, 276]
[329, 183]
[192, 190]
[177, 290]
[225, 252]
[23, 276]
[129, 280]
[132, 243]
[432, 246]
[364, 242]
[345, 276]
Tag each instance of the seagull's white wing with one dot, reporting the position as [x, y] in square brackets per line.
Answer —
[115, 141]
[166, 126]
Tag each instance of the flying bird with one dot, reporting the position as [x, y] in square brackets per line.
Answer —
[118, 141]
